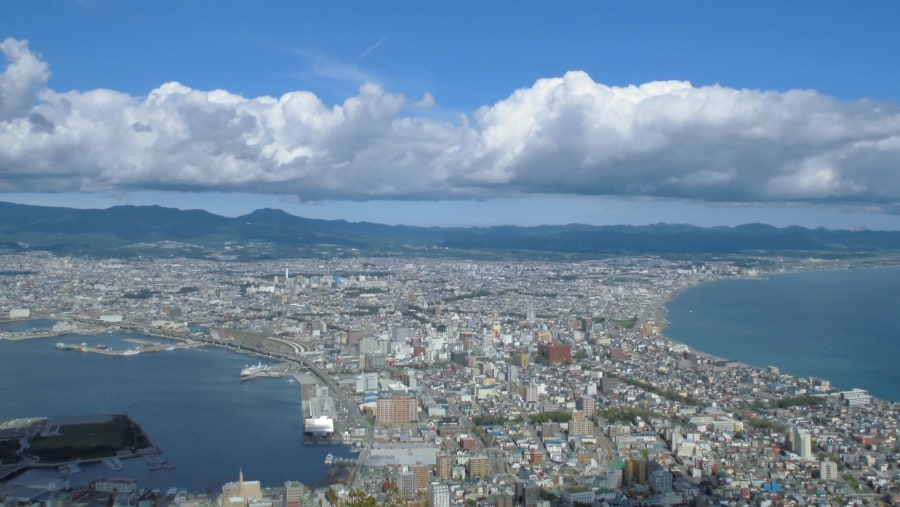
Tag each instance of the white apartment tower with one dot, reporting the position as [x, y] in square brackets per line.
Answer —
[438, 495]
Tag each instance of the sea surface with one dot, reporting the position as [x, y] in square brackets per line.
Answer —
[191, 403]
[843, 326]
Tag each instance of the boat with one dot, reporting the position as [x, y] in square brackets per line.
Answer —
[250, 371]
[318, 426]
[113, 463]
[130, 352]
[61, 346]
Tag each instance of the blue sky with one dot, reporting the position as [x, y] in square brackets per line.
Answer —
[461, 113]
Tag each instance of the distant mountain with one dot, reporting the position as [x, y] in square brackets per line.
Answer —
[155, 230]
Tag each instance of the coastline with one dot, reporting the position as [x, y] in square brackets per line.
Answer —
[660, 312]
[270, 405]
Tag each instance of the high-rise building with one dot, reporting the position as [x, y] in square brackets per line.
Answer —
[519, 359]
[635, 471]
[438, 495]
[293, 491]
[423, 475]
[586, 404]
[828, 471]
[398, 407]
[532, 393]
[512, 373]
[801, 443]
[479, 466]
[660, 480]
[406, 485]
[444, 465]
[608, 385]
[580, 425]
[555, 352]
[527, 493]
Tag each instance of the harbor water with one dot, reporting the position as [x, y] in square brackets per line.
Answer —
[190, 402]
[843, 326]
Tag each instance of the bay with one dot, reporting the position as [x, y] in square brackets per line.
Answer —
[191, 403]
[843, 326]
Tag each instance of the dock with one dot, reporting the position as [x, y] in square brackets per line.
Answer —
[140, 347]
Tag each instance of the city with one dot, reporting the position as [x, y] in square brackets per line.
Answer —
[485, 382]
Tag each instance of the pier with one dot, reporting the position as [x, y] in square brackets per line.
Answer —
[141, 346]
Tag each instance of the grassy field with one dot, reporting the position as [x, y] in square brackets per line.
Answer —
[9, 451]
[91, 440]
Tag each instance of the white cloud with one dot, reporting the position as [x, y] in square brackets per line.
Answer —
[24, 74]
[563, 135]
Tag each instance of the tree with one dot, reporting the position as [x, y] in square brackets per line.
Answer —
[356, 498]
[359, 498]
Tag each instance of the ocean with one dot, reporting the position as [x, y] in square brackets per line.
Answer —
[191, 403]
[843, 326]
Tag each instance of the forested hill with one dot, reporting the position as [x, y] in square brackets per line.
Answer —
[155, 230]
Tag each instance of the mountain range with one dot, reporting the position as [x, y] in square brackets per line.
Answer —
[123, 231]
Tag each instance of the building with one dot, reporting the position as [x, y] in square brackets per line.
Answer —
[555, 352]
[519, 359]
[586, 404]
[575, 496]
[19, 313]
[532, 393]
[240, 493]
[479, 466]
[856, 398]
[660, 480]
[801, 443]
[608, 385]
[423, 476]
[121, 486]
[580, 425]
[438, 495]
[397, 407]
[635, 472]
[444, 465]
[512, 373]
[828, 471]
[406, 485]
[527, 493]
[293, 494]
[367, 382]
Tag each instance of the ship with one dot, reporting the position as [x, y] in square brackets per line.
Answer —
[318, 426]
[251, 371]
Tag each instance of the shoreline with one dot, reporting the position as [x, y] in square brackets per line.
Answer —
[660, 312]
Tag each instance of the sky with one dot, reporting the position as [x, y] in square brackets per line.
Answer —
[458, 113]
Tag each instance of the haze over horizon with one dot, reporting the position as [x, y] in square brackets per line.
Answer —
[702, 113]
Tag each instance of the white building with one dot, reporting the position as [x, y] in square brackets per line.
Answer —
[801, 443]
[19, 313]
[828, 471]
[438, 495]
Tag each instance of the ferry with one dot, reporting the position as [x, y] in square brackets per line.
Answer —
[250, 371]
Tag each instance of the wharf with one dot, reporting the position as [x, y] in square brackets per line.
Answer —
[315, 402]
[29, 335]
[142, 346]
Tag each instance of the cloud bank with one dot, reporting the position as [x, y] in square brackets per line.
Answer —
[562, 135]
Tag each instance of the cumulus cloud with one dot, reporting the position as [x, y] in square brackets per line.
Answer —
[562, 135]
